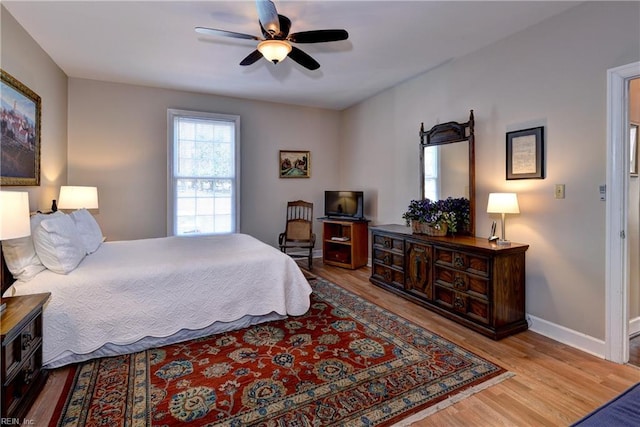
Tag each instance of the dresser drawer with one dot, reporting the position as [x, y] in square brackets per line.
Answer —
[381, 241]
[462, 261]
[17, 387]
[26, 342]
[388, 274]
[476, 286]
[477, 309]
[388, 258]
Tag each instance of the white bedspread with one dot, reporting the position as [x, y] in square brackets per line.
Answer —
[128, 290]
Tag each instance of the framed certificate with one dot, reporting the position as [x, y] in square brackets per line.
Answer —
[525, 154]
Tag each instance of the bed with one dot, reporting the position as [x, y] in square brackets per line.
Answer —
[127, 296]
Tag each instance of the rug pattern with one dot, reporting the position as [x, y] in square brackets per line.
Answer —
[345, 362]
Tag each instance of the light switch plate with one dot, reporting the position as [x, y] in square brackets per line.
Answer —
[559, 191]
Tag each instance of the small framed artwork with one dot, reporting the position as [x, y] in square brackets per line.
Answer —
[525, 154]
[19, 133]
[633, 146]
[295, 164]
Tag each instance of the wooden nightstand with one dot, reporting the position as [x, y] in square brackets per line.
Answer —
[21, 375]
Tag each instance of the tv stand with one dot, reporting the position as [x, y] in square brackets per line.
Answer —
[345, 242]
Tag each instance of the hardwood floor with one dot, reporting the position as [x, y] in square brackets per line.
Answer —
[554, 385]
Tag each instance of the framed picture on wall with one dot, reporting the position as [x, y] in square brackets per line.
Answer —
[19, 133]
[295, 164]
[633, 149]
[525, 154]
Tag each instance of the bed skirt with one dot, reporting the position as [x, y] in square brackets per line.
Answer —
[110, 349]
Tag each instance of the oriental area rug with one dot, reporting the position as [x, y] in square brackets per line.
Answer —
[346, 362]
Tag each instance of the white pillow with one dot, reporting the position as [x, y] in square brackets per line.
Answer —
[89, 230]
[20, 254]
[58, 244]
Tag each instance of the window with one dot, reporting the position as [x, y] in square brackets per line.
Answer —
[204, 171]
[431, 168]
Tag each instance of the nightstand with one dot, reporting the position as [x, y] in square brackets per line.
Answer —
[21, 373]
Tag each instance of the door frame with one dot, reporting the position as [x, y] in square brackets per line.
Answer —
[617, 192]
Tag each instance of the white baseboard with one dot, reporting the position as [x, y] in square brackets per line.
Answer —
[576, 339]
[567, 336]
[634, 327]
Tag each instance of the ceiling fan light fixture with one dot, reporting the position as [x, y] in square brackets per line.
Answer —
[274, 50]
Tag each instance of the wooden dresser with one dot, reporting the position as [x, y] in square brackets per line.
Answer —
[21, 372]
[467, 279]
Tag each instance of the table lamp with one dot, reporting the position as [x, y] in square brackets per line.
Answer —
[14, 219]
[503, 203]
[78, 197]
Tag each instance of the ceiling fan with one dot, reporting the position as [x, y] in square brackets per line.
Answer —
[275, 45]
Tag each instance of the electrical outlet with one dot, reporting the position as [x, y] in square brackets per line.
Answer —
[559, 191]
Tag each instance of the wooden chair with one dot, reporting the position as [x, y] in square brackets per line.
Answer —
[298, 234]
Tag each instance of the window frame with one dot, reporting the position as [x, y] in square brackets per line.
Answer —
[172, 114]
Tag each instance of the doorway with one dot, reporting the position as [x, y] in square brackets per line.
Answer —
[617, 212]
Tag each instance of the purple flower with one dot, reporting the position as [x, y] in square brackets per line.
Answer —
[454, 212]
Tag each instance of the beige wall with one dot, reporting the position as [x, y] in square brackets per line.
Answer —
[552, 74]
[26, 61]
[118, 142]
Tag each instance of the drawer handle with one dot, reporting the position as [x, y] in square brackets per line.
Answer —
[417, 264]
[27, 339]
[458, 261]
[28, 375]
[459, 283]
[458, 303]
[387, 243]
[387, 259]
[387, 275]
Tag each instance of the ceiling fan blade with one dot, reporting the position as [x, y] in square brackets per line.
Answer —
[251, 58]
[303, 59]
[318, 36]
[268, 16]
[285, 26]
[225, 33]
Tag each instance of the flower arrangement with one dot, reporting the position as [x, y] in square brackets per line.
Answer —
[450, 213]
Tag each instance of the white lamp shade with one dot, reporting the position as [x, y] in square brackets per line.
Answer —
[75, 197]
[274, 50]
[14, 214]
[503, 203]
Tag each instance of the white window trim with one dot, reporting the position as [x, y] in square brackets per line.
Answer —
[172, 113]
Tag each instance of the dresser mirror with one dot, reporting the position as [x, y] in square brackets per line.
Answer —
[447, 163]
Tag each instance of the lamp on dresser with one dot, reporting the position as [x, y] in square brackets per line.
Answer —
[78, 197]
[503, 203]
[14, 218]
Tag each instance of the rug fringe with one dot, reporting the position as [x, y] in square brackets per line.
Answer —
[452, 400]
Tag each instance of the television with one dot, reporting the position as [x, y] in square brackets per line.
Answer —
[344, 204]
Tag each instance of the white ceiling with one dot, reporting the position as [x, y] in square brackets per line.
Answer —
[153, 43]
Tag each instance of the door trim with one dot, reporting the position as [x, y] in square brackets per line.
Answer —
[617, 262]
